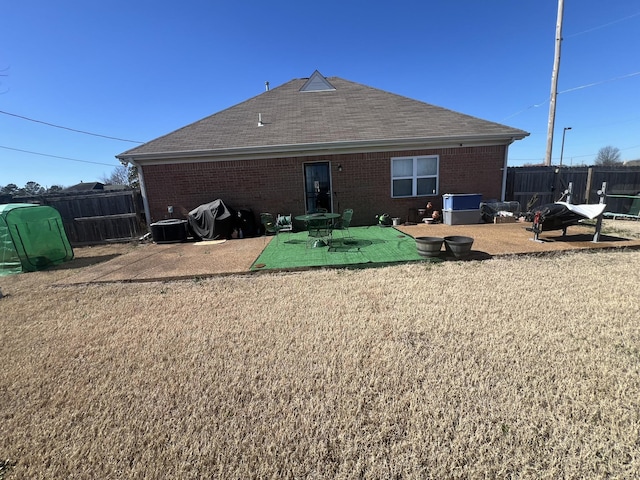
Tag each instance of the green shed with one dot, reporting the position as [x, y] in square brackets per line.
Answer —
[32, 237]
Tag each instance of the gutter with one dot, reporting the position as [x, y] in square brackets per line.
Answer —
[309, 149]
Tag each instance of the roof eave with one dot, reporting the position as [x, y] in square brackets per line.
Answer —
[333, 148]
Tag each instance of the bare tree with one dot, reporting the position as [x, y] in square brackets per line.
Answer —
[608, 156]
[122, 175]
[119, 176]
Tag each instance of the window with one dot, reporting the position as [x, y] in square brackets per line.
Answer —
[414, 176]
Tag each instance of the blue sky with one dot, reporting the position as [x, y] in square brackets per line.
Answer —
[138, 69]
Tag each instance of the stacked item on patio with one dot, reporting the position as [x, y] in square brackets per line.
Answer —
[461, 208]
[500, 212]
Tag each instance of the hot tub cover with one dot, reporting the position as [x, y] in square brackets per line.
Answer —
[212, 221]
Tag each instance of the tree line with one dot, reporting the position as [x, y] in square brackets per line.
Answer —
[29, 189]
[608, 156]
[122, 175]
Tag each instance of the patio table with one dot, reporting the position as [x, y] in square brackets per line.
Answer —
[326, 217]
[317, 216]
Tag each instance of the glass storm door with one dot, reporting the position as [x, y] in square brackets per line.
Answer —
[317, 182]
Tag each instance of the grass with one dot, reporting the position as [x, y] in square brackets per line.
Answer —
[516, 367]
[625, 228]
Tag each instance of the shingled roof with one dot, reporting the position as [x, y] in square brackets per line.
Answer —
[319, 113]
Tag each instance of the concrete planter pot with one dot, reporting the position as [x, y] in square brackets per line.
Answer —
[458, 245]
[429, 246]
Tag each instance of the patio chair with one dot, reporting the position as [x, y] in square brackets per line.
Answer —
[343, 223]
[268, 224]
[320, 232]
[284, 223]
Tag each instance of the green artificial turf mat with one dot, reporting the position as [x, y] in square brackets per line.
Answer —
[367, 245]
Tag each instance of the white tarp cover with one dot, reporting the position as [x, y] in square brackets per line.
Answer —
[589, 211]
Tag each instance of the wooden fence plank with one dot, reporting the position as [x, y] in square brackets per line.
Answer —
[545, 184]
[98, 217]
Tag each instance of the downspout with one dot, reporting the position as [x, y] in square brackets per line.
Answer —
[503, 192]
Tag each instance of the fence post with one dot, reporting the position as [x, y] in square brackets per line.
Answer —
[602, 193]
[587, 192]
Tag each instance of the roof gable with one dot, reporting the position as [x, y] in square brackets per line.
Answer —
[317, 83]
[350, 114]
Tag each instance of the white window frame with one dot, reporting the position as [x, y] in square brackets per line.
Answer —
[414, 176]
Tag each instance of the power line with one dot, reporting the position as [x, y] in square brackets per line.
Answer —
[594, 154]
[572, 156]
[601, 82]
[602, 26]
[56, 156]
[70, 129]
[593, 84]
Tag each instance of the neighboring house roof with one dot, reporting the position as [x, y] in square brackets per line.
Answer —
[116, 187]
[305, 115]
[83, 187]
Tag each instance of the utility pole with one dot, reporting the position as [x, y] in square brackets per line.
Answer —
[554, 84]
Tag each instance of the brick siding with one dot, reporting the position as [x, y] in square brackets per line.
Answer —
[277, 185]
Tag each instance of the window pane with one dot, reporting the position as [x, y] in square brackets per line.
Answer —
[403, 167]
[427, 166]
[402, 188]
[427, 186]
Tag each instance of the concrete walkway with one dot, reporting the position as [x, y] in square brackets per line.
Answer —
[158, 262]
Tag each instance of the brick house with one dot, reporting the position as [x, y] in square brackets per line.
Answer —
[325, 142]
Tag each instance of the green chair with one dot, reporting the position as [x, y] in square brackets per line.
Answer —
[273, 226]
[320, 232]
[343, 223]
[268, 223]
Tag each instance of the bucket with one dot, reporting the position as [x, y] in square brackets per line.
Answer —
[396, 221]
[429, 246]
[458, 245]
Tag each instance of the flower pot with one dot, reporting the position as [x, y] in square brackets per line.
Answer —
[429, 246]
[457, 245]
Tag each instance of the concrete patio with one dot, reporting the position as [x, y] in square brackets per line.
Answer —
[157, 262]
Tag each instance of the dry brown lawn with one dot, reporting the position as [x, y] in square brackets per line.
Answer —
[522, 367]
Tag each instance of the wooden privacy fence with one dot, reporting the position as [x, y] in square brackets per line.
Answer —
[539, 185]
[92, 218]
